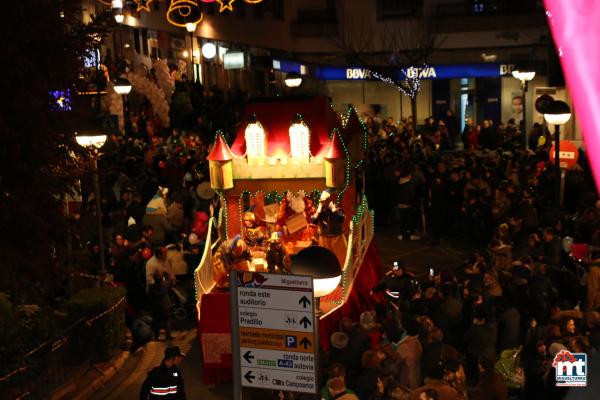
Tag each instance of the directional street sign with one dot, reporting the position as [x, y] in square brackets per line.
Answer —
[273, 331]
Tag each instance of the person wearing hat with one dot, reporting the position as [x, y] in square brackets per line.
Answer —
[165, 382]
[396, 285]
[330, 220]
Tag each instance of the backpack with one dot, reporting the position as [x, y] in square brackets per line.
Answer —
[508, 367]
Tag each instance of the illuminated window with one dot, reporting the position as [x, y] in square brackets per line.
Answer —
[299, 140]
[255, 140]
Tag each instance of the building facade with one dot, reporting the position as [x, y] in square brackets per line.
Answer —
[463, 51]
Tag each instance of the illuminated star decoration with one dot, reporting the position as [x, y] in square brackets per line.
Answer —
[143, 5]
[225, 5]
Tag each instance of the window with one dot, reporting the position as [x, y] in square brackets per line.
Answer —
[399, 8]
[145, 41]
[136, 40]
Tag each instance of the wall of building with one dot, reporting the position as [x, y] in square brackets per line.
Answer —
[366, 93]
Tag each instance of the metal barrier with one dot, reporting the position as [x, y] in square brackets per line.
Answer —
[51, 364]
[43, 369]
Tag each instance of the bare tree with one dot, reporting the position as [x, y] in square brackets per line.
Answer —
[409, 45]
[405, 45]
[355, 37]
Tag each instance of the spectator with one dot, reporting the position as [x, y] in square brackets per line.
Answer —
[491, 385]
[409, 355]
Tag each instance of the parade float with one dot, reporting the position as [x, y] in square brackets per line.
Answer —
[289, 180]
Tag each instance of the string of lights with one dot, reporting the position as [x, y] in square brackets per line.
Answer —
[412, 81]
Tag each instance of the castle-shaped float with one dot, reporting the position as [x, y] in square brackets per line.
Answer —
[291, 178]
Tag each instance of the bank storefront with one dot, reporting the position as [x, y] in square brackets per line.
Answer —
[478, 91]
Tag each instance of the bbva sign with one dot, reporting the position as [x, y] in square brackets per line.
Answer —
[358, 73]
[420, 72]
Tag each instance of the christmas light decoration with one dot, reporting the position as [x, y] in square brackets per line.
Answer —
[412, 81]
[299, 140]
[182, 12]
[225, 5]
[255, 142]
[143, 5]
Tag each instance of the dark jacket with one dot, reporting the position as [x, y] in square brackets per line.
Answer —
[163, 383]
[366, 384]
[480, 339]
[406, 192]
[491, 386]
[509, 329]
[396, 288]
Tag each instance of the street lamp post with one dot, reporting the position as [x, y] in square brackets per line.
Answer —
[191, 28]
[123, 87]
[558, 113]
[92, 141]
[117, 6]
[524, 77]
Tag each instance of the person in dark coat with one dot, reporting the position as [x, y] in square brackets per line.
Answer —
[165, 382]
[396, 285]
[535, 365]
[160, 303]
[366, 383]
[480, 338]
[406, 205]
[491, 385]
[119, 252]
[509, 326]
[453, 128]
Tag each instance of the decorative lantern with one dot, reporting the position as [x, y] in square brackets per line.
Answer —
[182, 12]
[255, 142]
[299, 141]
[323, 266]
[220, 165]
[335, 165]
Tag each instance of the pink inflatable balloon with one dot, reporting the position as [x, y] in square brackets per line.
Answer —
[574, 25]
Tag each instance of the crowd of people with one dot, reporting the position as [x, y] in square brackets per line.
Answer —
[156, 204]
[490, 328]
[530, 290]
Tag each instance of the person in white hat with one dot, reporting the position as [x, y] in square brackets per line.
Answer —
[330, 220]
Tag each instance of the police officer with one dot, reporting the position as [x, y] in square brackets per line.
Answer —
[396, 285]
[165, 381]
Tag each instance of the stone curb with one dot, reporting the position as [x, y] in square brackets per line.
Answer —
[66, 392]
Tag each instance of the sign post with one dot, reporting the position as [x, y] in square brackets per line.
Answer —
[568, 156]
[274, 338]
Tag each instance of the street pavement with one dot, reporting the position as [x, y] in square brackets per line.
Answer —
[417, 256]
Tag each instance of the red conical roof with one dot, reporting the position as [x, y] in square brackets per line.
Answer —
[335, 148]
[220, 151]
